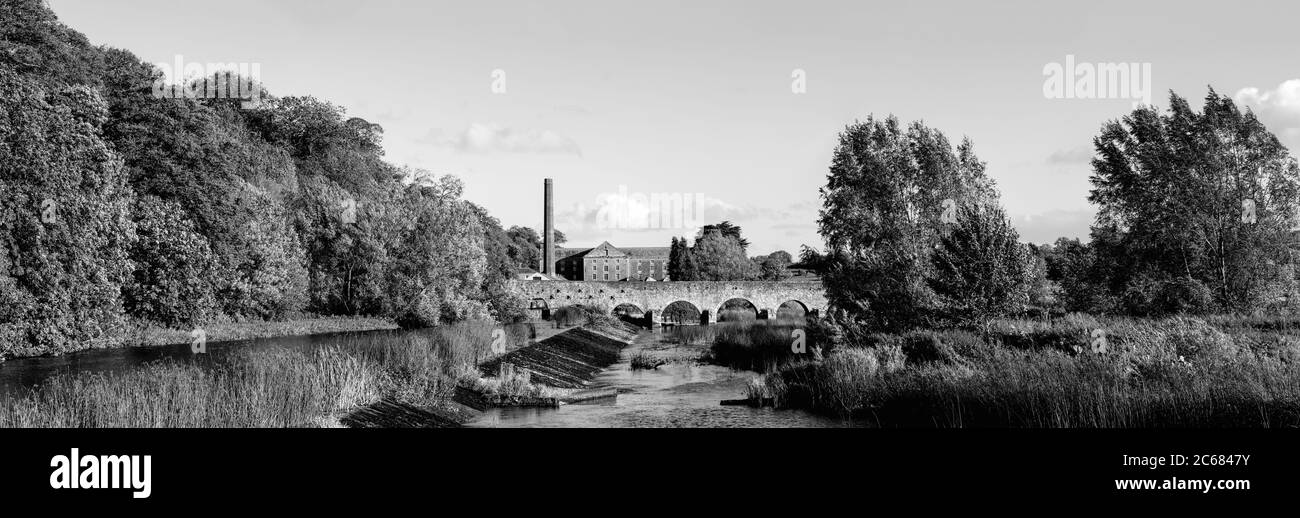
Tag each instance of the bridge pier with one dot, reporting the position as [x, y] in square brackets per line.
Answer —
[707, 317]
[766, 314]
[649, 319]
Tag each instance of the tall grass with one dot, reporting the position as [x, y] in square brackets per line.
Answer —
[1178, 372]
[758, 345]
[691, 335]
[260, 388]
[737, 315]
[764, 345]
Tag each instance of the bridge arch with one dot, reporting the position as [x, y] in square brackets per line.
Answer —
[682, 312]
[539, 308]
[629, 312]
[628, 309]
[737, 308]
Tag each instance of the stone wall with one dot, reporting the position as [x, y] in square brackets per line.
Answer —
[655, 296]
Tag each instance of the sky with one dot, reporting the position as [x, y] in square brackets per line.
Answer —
[733, 105]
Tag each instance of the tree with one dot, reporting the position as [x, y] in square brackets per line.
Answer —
[812, 259]
[887, 196]
[720, 257]
[681, 265]
[33, 43]
[525, 249]
[65, 222]
[1209, 197]
[177, 210]
[172, 279]
[726, 228]
[773, 267]
[980, 268]
[1072, 266]
[504, 303]
[438, 270]
[265, 272]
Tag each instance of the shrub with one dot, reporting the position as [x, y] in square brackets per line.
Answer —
[171, 284]
[645, 361]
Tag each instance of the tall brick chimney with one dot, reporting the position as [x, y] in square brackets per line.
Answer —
[548, 232]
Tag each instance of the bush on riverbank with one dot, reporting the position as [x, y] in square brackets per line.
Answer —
[647, 361]
[766, 345]
[1180, 372]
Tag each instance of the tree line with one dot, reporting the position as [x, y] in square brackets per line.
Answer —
[719, 254]
[120, 208]
[1196, 213]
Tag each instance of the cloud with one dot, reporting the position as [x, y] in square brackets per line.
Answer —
[640, 211]
[1278, 108]
[1078, 155]
[494, 139]
[617, 216]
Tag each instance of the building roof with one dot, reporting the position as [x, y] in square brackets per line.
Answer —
[647, 251]
[607, 250]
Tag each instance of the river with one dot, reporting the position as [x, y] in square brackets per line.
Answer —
[681, 394]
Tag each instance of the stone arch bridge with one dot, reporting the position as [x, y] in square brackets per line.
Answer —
[653, 297]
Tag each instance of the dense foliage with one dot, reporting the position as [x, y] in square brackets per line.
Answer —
[119, 205]
[1196, 210]
[890, 195]
[1197, 213]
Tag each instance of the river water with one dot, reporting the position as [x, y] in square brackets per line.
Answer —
[680, 394]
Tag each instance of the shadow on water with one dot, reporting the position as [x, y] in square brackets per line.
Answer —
[681, 394]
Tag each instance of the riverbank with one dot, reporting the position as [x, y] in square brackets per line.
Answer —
[147, 335]
[272, 387]
[1074, 372]
[142, 334]
[410, 378]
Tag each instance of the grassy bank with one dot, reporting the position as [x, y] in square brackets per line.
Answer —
[267, 388]
[147, 335]
[1181, 372]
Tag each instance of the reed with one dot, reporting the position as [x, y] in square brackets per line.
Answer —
[1180, 372]
[260, 388]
